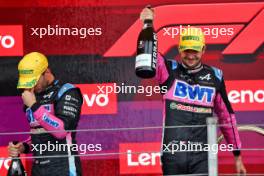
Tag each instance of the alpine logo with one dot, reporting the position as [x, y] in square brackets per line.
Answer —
[48, 95]
[206, 77]
[194, 92]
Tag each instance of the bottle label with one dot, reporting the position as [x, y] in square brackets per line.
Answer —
[147, 25]
[155, 50]
[15, 165]
[143, 60]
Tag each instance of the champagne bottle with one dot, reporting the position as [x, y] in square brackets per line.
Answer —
[147, 47]
[16, 167]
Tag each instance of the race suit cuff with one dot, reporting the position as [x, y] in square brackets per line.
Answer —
[236, 152]
[26, 147]
[35, 106]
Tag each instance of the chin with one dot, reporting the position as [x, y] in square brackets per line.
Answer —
[191, 65]
[38, 90]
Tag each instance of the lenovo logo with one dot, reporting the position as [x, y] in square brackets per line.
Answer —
[140, 158]
[238, 21]
[96, 101]
[11, 40]
[143, 159]
[246, 95]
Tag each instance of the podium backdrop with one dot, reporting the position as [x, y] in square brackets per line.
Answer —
[93, 43]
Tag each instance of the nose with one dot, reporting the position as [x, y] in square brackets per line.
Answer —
[190, 55]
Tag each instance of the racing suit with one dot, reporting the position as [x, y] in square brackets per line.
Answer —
[191, 97]
[57, 109]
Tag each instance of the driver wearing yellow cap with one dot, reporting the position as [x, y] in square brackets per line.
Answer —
[50, 106]
[30, 69]
[194, 92]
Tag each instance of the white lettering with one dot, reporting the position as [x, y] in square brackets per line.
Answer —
[101, 99]
[143, 159]
[4, 162]
[7, 41]
[246, 96]
[129, 159]
[233, 96]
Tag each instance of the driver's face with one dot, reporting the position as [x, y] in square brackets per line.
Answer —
[191, 58]
[40, 86]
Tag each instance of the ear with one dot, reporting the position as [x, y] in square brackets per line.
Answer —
[47, 71]
[179, 50]
[32, 90]
[204, 47]
[48, 75]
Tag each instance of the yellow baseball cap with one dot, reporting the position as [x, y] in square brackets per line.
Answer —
[192, 38]
[30, 69]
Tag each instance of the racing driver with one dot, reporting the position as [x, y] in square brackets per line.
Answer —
[51, 108]
[194, 92]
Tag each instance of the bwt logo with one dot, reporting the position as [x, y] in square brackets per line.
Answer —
[194, 92]
[241, 26]
[97, 99]
[11, 40]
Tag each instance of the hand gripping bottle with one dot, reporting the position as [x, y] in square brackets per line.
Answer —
[147, 48]
[16, 167]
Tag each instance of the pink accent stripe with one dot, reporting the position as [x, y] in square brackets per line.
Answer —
[28, 141]
[39, 116]
[161, 71]
[230, 132]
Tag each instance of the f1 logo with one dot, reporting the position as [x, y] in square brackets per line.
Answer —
[246, 39]
[11, 40]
